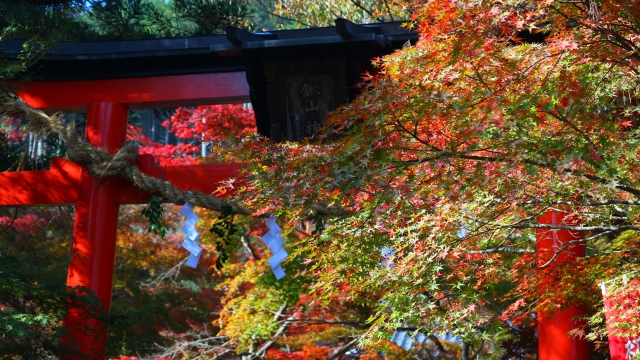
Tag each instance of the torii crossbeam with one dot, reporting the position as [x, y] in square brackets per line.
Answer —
[96, 218]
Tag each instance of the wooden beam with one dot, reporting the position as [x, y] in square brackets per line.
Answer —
[137, 93]
[59, 185]
[204, 178]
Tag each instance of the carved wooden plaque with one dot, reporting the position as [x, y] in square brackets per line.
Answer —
[301, 92]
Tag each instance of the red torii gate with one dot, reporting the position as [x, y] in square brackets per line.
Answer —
[97, 201]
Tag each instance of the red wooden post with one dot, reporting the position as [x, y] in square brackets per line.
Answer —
[95, 227]
[553, 341]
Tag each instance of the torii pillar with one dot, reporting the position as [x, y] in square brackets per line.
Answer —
[97, 201]
[554, 343]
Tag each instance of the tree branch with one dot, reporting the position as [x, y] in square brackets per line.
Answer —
[566, 246]
[263, 349]
[246, 244]
[438, 343]
[507, 250]
[585, 203]
[15, 215]
[322, 321]
[266, 9]
[476, 353]
[443, 154]
[358, 4]
[572, 228]
[343, 349]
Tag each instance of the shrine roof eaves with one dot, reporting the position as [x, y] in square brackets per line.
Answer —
[120, 49]
[345, 35]
[205, 54]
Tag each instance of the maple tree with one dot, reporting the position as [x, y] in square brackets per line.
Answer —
[193, 126]
[499, 113]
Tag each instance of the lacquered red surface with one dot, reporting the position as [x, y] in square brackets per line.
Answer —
[553, 341]
[179, 90]
[58, 185]
[96, 223]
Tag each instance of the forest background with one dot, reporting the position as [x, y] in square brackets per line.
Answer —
[448, 158]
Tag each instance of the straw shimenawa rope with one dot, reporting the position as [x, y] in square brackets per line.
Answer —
[101, 164]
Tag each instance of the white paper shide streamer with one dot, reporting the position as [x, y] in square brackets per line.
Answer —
[407, 339]
[274, 241]
[191, 241]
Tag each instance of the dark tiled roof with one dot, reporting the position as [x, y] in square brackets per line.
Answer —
[205, 54]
